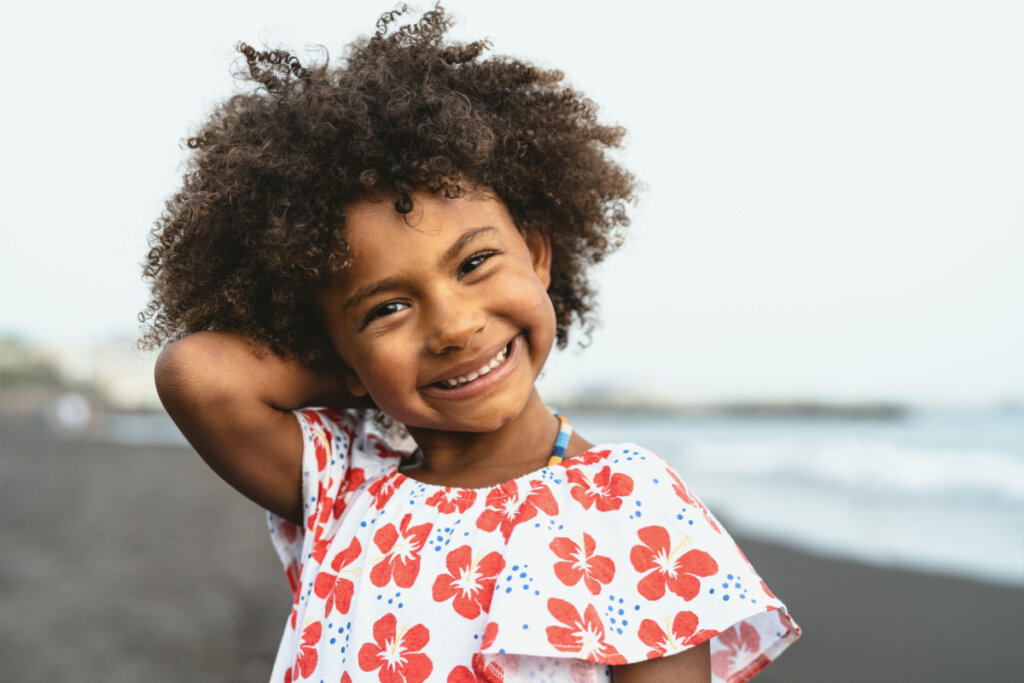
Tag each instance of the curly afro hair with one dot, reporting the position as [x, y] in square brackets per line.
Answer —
[257, 228]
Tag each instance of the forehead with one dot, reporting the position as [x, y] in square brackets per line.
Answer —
[378, 234]
[387, 246]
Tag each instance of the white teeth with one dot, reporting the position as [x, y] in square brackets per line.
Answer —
[465, 379]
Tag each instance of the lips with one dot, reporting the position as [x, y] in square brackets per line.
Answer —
[478, 375]
[482, 371]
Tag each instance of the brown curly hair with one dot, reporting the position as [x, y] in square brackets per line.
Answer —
[257, 228]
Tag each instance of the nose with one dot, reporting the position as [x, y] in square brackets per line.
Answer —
[453, 322]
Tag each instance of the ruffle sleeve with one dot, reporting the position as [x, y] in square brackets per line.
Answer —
[328, 437]
[621, 563]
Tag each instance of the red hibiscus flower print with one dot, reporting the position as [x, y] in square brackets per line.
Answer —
[470, 579]
[604, 490]
[383, 489]
[320, 547]
[487, 671]
[668, 565]
[740, 657]
[588, 458]
[401, 548]
[382, 449]
[583, 637]
[321, 542]
[339, 419]
[321, 445]
[345, 678]
[580, 562]
[396, 652]
[326, 505]
[681, 632]
[289, 530]
[506, 507]
[448, 500]
[292, 574]
[336, 588]
[687, 497]
[541, 498]
[312, 416]
[355, 479]
[462, 674]
[490, 635]
[321, 496]
[305, 663]
[482, 672]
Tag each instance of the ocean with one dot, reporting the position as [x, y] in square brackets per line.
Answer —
[932, 490]
[938, 491]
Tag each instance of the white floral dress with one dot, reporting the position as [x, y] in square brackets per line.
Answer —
[603, 559]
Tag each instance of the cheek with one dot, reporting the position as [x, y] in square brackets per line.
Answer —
[530, 298]
[381, 364]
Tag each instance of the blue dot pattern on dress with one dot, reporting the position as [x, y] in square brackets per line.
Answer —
[525, 591]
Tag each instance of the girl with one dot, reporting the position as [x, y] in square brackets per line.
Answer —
[407, 236]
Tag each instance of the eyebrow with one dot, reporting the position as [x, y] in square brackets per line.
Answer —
[464, 239]
[450, 254]
[366, 292]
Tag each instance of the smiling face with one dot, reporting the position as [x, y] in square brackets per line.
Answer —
[443, 315]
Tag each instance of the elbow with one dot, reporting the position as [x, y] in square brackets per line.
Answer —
[178, 374]
[170, 374]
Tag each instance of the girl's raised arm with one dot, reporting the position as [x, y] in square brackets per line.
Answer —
[231, 399]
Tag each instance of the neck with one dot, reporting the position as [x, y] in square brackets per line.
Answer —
[483, 458]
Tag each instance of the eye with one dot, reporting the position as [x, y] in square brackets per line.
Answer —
[474, 262]
[385, 309]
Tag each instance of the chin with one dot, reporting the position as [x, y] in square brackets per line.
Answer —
[477, 419]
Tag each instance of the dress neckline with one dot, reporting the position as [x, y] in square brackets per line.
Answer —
[603, 450]
[556, 457]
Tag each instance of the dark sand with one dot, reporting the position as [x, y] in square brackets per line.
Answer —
[132, 564]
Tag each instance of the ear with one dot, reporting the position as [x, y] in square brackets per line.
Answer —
[539, 245]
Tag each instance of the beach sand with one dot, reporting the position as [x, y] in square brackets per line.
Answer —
[123, 563]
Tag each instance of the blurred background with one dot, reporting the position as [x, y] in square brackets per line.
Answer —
[817, 318]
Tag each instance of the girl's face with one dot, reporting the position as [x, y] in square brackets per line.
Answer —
[443, 316]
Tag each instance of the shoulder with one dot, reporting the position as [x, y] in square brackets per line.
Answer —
[613, 496]
[314, 419]
[607, 475]
[613, 540]
[341, 455]
[625, 457]
[348, 435]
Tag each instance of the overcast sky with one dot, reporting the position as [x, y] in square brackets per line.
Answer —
[833, 203]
